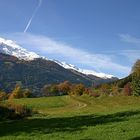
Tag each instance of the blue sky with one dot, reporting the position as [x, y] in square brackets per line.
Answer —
[102, 35]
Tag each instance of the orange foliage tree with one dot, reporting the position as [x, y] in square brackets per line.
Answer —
[64, 88]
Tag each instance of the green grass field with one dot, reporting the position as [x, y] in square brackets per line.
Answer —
[76, 118]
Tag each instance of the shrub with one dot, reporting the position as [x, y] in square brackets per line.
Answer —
[13, 111]
[27, 93]
[95, 95]
[3, 96]
[86, 91]
[4, 111]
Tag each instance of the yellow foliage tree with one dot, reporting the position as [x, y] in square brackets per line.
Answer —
[16, 93]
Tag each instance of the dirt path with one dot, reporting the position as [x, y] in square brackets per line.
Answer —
[79, 104]
[82, 105]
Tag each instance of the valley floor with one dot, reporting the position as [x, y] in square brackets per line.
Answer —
[76, 118]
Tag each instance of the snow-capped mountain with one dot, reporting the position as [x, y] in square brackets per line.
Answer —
[12, 48]
[84, 71]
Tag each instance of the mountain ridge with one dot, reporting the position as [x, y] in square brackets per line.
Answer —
[18, 66]
[12, 48]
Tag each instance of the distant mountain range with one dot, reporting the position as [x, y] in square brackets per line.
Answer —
[19, 65]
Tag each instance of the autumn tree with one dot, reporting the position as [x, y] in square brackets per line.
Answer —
[3, 95]
[16, 93]
[115, 90]
[50, 90]
[136, 69]
[136, 87]
[127, 89]
[105, 88]
[77, 89]
[64, 88]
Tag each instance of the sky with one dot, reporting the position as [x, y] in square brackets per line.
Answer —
[100, 35]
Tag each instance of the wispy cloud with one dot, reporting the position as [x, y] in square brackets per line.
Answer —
[130, 39]
[131, 55]
[134, 53]
[50, 46]
[33, 15]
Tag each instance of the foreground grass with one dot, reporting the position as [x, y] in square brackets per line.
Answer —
[77, 118]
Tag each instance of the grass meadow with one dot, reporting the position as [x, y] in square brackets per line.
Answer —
[76, 118]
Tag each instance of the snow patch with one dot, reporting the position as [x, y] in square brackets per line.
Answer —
[84, 71]
[11, 48]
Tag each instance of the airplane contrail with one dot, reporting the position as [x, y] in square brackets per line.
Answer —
[33, 15]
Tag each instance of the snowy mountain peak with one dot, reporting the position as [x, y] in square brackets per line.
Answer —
[84, 71]
[66, 65]
[11, 48]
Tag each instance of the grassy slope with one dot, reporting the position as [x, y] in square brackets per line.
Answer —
[79, 118]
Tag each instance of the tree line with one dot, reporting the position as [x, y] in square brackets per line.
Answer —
[127, 86]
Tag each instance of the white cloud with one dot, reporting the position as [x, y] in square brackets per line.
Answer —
[50, 46]
[130, 39]
[132, 55]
